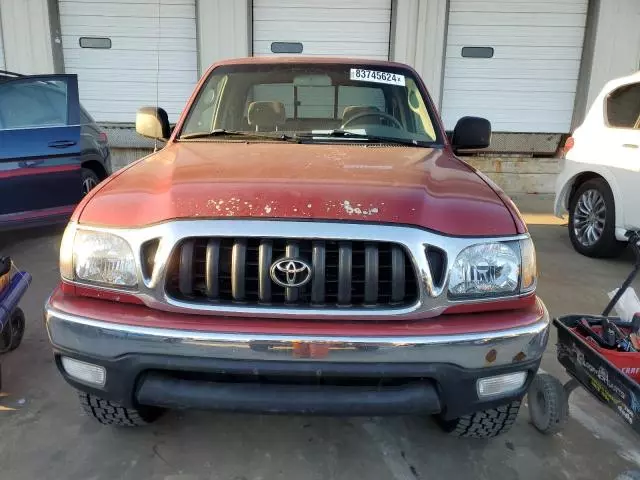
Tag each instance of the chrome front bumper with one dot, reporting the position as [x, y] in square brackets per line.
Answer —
[104, 340]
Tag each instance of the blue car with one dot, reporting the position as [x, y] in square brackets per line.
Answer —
[52, 152]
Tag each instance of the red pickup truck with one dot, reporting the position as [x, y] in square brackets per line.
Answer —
[305, 242]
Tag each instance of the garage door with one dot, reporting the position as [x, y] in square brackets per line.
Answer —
[349, 28]
[515, 62]
[126, 53]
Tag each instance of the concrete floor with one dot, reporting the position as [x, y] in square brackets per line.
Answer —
[45, 436]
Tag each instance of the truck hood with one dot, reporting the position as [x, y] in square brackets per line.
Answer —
[426, 187]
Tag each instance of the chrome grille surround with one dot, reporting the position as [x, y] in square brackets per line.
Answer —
[432, 299]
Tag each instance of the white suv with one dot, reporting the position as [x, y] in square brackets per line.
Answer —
[599, 182]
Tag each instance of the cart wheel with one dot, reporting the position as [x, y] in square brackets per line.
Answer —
[548, 404]
[13, 332]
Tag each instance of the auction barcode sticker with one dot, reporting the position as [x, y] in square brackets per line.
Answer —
[362, 75]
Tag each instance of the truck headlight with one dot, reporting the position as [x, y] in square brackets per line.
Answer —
[97, 257]
[494, 269]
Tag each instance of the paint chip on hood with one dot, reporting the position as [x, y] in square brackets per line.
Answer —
[346, 204]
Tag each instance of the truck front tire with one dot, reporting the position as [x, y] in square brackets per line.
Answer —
[483, 424]
[112, 413]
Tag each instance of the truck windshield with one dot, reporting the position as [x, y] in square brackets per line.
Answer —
[317, 102]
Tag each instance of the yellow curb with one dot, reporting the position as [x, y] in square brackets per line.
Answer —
[543, 219]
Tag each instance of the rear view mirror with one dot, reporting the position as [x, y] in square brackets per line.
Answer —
[471, 133]
[153, 122]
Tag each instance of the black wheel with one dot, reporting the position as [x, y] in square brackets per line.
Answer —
[548, 404]
[89, 180]
[592, 220]
[112, 413]
[483, 424]
[13, 331]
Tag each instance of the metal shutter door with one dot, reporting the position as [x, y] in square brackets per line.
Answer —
[529, 84]
[115, 82]
[353, 28]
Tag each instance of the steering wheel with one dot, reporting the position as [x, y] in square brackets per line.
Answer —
[382, 115]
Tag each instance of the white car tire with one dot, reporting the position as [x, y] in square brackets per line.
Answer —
[592, 220]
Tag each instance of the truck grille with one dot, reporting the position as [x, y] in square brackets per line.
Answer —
[344, 273]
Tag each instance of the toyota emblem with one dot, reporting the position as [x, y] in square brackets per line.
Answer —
[290, 272]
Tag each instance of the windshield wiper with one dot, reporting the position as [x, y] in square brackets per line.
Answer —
[218, 132]
[221, 132]
[367, 138]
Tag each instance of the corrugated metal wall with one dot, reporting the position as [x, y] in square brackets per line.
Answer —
[617, 44]
[223, 30]
[418, 39]
[26, 36]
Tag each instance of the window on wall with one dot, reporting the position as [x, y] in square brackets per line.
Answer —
[286, 47]
[623, 107]
[477, 52]
[95, 42]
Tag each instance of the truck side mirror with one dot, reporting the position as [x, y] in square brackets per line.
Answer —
[153, 122]
[471, 133]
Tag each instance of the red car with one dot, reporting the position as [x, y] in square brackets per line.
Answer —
[307, 241]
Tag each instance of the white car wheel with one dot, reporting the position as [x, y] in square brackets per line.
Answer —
[589, 217]
[592, 220]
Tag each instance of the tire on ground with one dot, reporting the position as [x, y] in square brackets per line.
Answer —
[91, 176]
[483, 424]
[607, 245]
[548, 404]
[13, 331]
[112, 413]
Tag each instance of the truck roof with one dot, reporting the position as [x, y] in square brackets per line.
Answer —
[309, 60]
